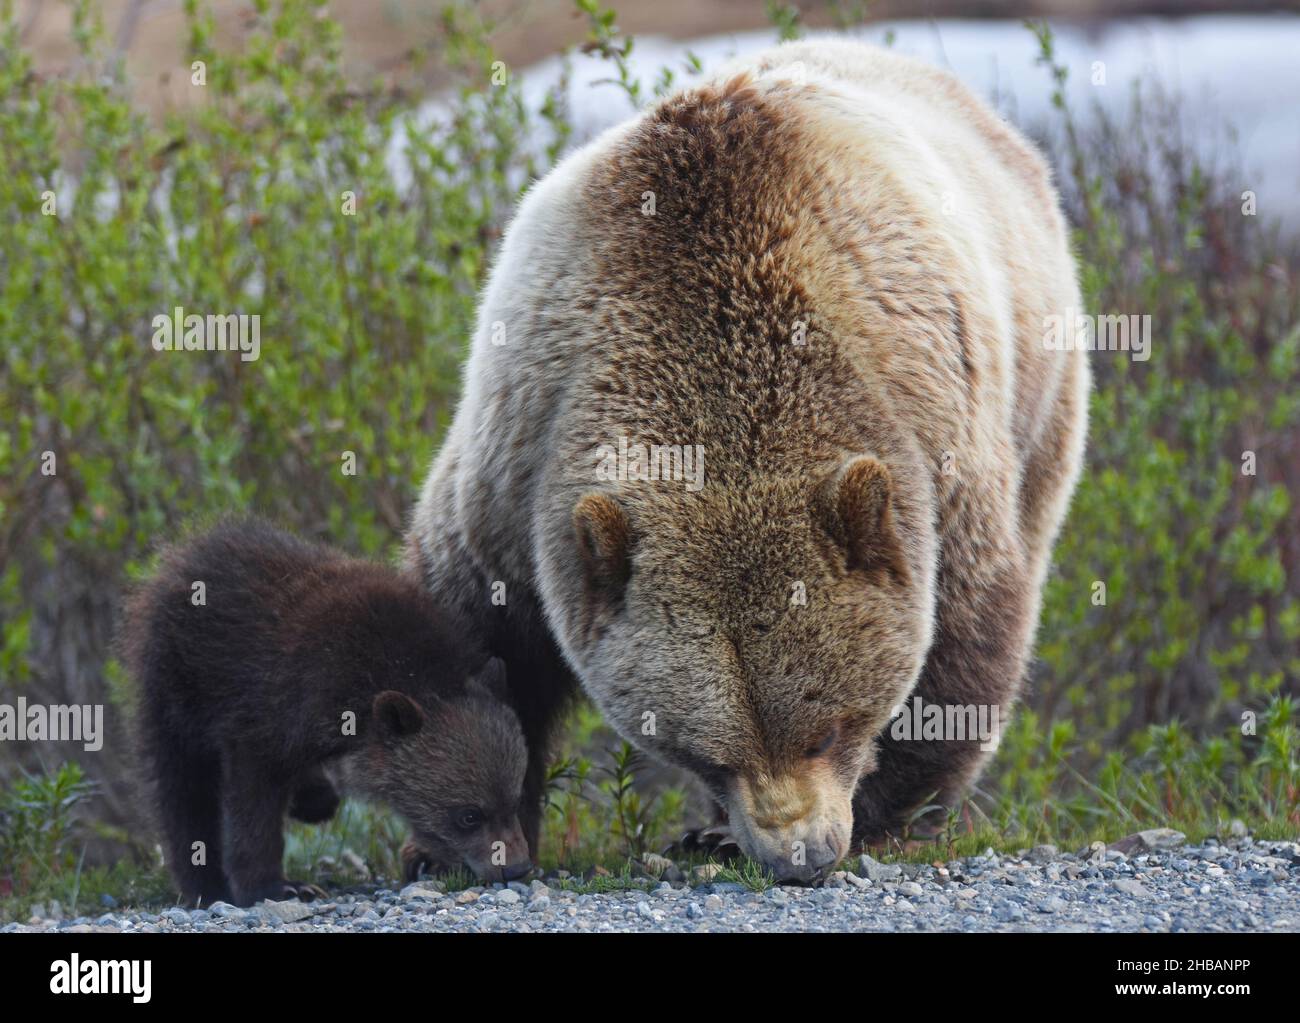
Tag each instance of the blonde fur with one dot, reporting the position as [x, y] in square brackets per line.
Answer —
[841, 296]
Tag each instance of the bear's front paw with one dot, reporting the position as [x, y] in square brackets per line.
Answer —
[715, 841]
[305, 891]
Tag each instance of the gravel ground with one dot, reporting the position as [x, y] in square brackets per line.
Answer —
[1145, 882]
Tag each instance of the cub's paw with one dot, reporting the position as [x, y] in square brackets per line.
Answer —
[417, 861]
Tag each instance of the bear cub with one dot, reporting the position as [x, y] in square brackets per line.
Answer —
[275, 675]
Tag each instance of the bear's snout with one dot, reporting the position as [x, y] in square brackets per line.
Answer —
[798, 827]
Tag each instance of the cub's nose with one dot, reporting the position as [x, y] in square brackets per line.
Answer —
[514, 871]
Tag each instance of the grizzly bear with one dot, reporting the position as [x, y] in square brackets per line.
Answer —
[273, 672]
[760, 438]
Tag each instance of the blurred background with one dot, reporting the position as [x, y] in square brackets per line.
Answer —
[1175, 135]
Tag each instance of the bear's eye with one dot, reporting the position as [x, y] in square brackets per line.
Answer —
[468, 818]
[823, 746]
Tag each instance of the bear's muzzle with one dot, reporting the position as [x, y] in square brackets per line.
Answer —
[797, 825]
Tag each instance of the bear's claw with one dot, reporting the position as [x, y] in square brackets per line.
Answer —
[716, 840]
[303, 890]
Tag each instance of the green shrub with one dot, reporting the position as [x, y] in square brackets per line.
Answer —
[36, 829]
[237, 206]
[1161, 700]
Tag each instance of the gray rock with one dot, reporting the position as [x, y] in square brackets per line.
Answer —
[225, 911]
[877, 872]
[287, 912]
[1152, 840]
[427, 891]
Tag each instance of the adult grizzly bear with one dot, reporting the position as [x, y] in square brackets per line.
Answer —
[830, 268]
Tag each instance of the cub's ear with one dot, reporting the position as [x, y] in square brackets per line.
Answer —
[491, 680]
[396, 715]
[857, 503]
[604, 544]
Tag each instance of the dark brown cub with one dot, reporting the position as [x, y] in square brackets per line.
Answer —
[275, 674]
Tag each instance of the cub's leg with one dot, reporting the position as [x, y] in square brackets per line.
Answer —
[189, 802]
[315, 799]
[253, 800]
[542, 688]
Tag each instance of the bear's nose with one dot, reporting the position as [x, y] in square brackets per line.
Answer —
[817, 859]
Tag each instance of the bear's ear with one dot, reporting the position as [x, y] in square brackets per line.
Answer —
[396, 715]
[858, 503]
[491, 680]
[604, 542]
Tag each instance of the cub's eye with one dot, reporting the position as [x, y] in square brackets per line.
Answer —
[823, 746]
[469, 818]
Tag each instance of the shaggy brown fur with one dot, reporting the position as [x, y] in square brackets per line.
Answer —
[245, 701]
